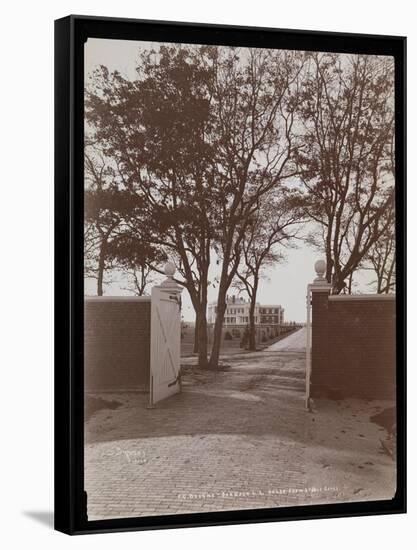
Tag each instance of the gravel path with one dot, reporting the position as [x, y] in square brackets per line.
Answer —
[294, 342]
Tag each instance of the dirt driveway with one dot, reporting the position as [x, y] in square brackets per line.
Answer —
[235, 439]
[294, 342]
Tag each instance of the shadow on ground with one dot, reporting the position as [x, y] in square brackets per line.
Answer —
[260, 395]
[45, 517]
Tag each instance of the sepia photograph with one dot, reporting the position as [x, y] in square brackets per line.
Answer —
[204, 289]
[239, 278]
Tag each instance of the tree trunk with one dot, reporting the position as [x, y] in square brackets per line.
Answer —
[380, 281]
[196, 332]
[217, 332]
[200, 329]
[229, 269]
[200, 334]
[202, 325]
[252, 333]
[338, 286]
[198, 295]
[226, 278]
[350, 283]
[202, 340]
[329, 266]
[101, 266]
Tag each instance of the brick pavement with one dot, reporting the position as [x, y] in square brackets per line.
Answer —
[232, 440]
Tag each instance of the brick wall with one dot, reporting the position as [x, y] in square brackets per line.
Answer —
[353, 346]
[116, 343]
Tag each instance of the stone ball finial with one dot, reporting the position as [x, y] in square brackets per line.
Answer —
[170, 269]
[320, 268]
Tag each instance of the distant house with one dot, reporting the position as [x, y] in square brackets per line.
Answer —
[237, 313]
[269, 318]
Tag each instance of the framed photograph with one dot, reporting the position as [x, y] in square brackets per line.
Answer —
[230, 274]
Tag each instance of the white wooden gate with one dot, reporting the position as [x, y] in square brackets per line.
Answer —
[165, 338]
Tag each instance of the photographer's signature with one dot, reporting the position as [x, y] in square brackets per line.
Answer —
[130, 455]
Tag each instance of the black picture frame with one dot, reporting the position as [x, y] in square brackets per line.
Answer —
[70, 35]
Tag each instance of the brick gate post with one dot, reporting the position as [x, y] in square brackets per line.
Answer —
[320, 290]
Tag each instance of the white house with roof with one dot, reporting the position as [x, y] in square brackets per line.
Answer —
[269, 318]
[237, 313]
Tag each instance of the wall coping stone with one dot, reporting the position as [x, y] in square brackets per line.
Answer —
[320, 287]
[358, 297]
[117, 298]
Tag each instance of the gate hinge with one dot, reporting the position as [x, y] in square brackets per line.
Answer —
[176, 381]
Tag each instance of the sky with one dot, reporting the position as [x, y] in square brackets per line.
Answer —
[285, 283]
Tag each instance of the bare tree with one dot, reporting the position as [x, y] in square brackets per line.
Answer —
[139, 279]
[101, 217]
[381, 258]
[347, 155]
[254, 99]
[272, 228]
